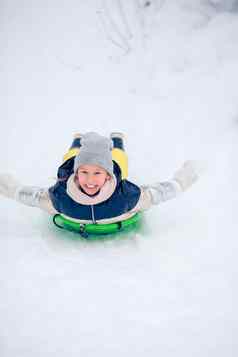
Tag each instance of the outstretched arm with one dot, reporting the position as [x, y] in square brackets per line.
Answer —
[28, 195]
[163, 191]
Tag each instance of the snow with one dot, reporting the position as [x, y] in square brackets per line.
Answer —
[165, 75]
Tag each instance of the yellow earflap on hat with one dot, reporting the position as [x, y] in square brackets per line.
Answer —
[120, 157]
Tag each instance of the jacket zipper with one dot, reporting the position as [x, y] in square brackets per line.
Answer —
[93, 216]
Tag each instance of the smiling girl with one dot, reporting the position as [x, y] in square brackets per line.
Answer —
[92, 185]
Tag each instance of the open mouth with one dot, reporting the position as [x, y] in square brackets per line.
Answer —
[91, 187]
[91, 190]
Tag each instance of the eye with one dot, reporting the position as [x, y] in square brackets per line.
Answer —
[83, 172]
[98, 173]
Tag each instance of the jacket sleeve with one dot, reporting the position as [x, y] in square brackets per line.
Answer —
[35, 197]
[157, 193]
[28, 195]
[182, 180]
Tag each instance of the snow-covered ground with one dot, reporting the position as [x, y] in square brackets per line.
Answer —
[166, 75]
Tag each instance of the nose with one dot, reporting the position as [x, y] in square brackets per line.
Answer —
[90, 179]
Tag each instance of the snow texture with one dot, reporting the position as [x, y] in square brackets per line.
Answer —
[165, 73]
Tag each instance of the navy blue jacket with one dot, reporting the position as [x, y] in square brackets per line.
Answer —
[123, 199]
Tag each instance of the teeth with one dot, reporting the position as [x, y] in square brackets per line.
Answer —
[91, 186]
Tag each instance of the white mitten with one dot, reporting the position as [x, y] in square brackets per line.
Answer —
[188, 174]
[8, 185]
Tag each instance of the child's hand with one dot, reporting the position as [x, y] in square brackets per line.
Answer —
[188, 174]
[8, 185]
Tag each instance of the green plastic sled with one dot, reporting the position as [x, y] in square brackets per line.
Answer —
[95, 229]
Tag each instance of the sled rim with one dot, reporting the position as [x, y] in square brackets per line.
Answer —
[97, 229]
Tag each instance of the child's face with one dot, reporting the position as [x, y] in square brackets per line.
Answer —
[91, 178]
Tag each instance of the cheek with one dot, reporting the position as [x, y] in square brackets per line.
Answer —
[100, 180]
[81, 179]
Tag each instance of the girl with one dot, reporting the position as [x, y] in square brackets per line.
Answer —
[92, 185]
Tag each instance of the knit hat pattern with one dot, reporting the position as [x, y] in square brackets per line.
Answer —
[95, 150]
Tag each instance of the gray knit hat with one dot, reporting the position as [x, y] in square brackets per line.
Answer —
[95, 150]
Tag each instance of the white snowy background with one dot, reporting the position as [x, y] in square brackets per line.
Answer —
[165, 73]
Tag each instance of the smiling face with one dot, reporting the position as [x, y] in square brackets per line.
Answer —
[91, 178]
